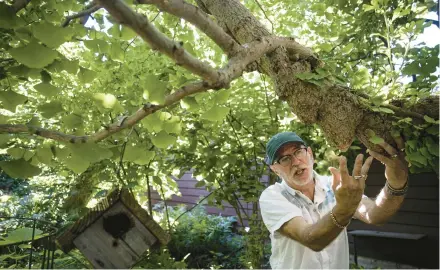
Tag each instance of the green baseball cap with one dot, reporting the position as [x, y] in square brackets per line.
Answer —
[277, 141]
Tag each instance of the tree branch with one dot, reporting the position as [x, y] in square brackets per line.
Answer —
[86, 12]
[200, 19]
[112, 129]
[157, 40]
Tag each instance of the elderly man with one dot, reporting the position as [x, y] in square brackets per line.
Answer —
[307, 214]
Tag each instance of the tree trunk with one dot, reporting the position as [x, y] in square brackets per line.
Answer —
[339, 112]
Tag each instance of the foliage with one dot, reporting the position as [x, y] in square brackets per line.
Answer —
[202, 240]
[90, 74]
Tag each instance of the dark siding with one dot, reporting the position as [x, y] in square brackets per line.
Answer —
[419, 214]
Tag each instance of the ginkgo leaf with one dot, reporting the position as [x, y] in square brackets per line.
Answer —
[90, 152]
[77, 164]
[155, 89]
[86, 75]
[46, 89]
[72, 121]
[28, 55]
[19, 168]
[190, 104]
[50, 109]
[51, 35]
[10, 100]
[16, 152]
[163, 140]
[216, 113]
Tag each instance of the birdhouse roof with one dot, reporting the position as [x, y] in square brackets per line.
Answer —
[65, 241]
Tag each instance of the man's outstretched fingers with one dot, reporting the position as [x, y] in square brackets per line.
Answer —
[366, 166]
[336, 177]
[379, 157]
[390, 150]
[357, 169]
[345, 177]
[400, 143]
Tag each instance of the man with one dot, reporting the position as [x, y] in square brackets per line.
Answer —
[307, 214]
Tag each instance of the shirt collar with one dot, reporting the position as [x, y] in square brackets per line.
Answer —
[320, 188]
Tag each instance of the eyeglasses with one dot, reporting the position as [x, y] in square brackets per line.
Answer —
[287, 159]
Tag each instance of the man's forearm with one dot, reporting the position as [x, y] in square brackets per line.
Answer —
[322, 233]
[384, 207]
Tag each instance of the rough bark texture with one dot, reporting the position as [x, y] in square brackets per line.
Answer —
[338, 111]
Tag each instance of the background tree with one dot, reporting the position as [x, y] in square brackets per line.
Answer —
[111, 93]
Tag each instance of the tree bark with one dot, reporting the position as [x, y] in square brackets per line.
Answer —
[340, 113]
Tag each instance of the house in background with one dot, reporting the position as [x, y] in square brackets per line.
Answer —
[411, 237]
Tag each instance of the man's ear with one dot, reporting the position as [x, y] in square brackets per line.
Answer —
[274, 169]
[310, 152]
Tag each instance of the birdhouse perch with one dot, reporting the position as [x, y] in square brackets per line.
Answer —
[115, 233]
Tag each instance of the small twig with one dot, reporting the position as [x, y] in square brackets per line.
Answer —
[403, 112]
[265, 15]
[80, 14]
[155, 16]
[166, 208]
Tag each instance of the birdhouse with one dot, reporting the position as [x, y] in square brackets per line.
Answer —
[115, 233]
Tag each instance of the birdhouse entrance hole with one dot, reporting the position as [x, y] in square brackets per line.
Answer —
[118, 224]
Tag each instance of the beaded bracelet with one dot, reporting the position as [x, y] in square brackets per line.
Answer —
[336, 222]
[397, 192]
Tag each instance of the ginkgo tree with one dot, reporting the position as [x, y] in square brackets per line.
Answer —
[130, 93]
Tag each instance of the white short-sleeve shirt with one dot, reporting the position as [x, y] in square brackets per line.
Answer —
[280, 203]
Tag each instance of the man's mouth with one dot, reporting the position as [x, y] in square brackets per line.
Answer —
[299, 172]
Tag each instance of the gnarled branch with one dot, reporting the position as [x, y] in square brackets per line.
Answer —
[157, 40]
[200, 19]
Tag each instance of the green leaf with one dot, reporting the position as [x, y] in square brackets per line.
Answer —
[163, 140]
[152, 122]
[215, 113]
[376, 140]
[10, 100]
[51, 35]
[347, 48]
[4, 138]
[48, 110]
[127, 33]
[433, 130]
[44, 155]
[72, 121]
[77, 164]
[116, 52]
[86, 75]
[172, 125]
[71, 66]
[416, 156]
[90, 152]
[108, 101]
[46, 89]
[19, 169]
[157, 180]
[430, 120]
[16, 152]
[386, 110]
[97, 45]
[200, 183]
[145, 157]
[190, 104]
[155, 89]
[8, 18]
[222, 96]
[27, 55]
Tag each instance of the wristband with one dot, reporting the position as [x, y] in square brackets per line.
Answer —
[396, 192]
[336, 222]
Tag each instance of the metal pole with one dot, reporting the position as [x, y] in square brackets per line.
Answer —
[32, 243]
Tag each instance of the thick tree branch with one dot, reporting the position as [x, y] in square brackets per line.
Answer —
[157, 40]
[200, 19]
[86, 12]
